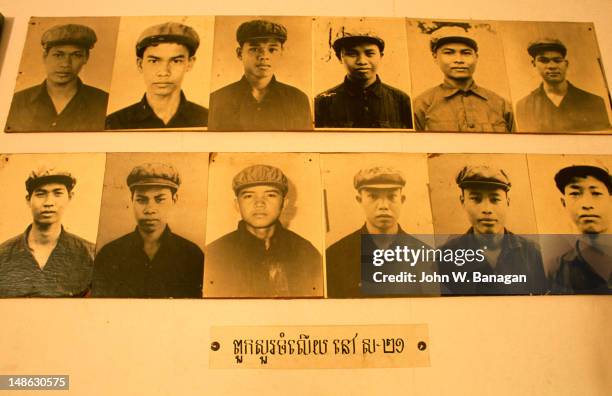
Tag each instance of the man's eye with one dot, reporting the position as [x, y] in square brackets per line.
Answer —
[152, 60]
[180, 60]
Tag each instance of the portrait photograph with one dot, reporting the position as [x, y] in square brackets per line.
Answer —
[50, 207]
[161, 73]
[571, 196]
[556, 77]
[459, 80]
[152, 226]
[65, 75]
[361, 73]
[262, 74]
[265, 226]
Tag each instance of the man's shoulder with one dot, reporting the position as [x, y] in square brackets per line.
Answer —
[95, 93]
[396, 92]
[78, 242]
[529, 98]
[456, 241]
[118, 245]
[227, 91]
[290, 90]
[587, 96]
[348, 242]
[9, 244]
[493, 96]
[115, 119]
[229, 240]
[27, 93]
[429, 94]
[185, 244]
[331, 92]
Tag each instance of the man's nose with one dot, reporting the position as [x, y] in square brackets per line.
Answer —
[361, 59]
[164, 69]
[263, 54]
[486, 207]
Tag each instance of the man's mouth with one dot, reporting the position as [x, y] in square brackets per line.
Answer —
[589, 217]
[487, 221]
[462, 69]
[48, 212]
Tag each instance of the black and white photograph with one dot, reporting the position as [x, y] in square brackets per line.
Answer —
[64, 75]
[262, 74]
[161, 76]
[373, 194]
[572, 196]
[556, 77]
[459, 81]
[361, 73]
[152, 226]
[264, 234]
[50, 207]
[483, 201]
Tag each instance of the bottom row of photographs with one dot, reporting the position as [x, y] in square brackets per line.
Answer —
[304, 225]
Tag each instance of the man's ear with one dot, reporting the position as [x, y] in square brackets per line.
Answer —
[175, 197]
[462, 199]
[403, 198]
[239, 52]
[236, 206]
[533, 62]
[563, 201]
[190, 62]
[358, 198]
[139, 64]
[70, 195]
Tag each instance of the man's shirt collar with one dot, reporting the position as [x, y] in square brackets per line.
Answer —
[449, 90]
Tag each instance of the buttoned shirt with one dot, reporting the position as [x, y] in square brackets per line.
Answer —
[123, 269]
[350, 270]
[141, 116]
[239, 265]
[576, 276]
[350, 106]
[32, 110]
[67, 272]
[518, 256]
[578, 111]
[283, 107]
[450, 109]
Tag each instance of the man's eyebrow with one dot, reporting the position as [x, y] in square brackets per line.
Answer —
[178, 56]
[153, 57]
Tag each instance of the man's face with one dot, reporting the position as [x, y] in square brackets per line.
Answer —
[260, 206]
[382, 207]
[589, 204]
[456, 60]
[551, 65]
[361, 61]
[163, 67]
[152, 206]
[48, 203]
[63, 63]
[486, 209]
[259, 57]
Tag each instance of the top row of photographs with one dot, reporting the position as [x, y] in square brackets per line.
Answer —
[289, 73]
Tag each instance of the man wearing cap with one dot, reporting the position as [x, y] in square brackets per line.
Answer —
[348, 261]
[164, 54]
[61, 102]
[587, 196]
[459, 104]
[46, 260]
[484, 197]
[557, 105]
[258, 101]
[262, 258]
[362, 100]
[152, 261]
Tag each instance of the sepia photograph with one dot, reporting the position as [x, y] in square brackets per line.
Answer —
[264, 231]
[162, 71]
[361, 73]
[64, 75]
[152, 226]
[262, 74]
[459, 81]
[53, 203]
[373, 194]
[572, 196]
[556, 77]
[483, 201]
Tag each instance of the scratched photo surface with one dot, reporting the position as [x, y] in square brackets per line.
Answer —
[393, 67]
[96, 72]
[583, 70]
[300, 214]
[128, 82]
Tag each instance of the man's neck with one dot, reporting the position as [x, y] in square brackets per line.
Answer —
[492, 241]
[43, 234]
[361, 82]
[259, 86]
[556, 88]
[462, 84]
[166, 106]
[596, 250]
[151, 241]
[382, 231]
[264, 234]
[61, 94]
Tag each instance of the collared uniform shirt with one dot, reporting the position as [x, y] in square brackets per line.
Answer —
[350, 270]
[141, 116]
[283, 108]
[239, 265]
[122, 268]
[576, 276]
[67, 272]
[32, 110]
[518, 256]
[349, 106]
[449, 109]
[578, 111]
